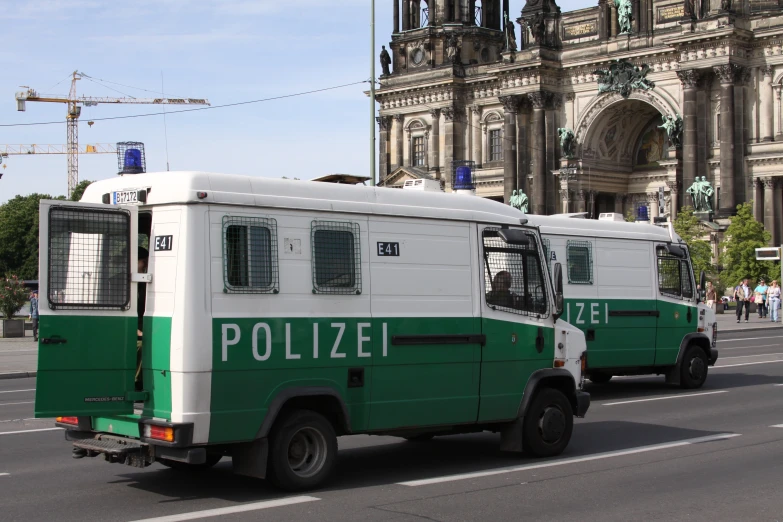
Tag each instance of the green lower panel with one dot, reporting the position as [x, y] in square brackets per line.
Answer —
[673, 326]
[156, 364]
[127, 425]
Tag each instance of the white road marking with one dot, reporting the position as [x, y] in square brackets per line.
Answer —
[746, 356]
[779, 385]
[20, 420]
[745, 364]
[4, 474]
[749, 347]
[574, 460]
[746, 338]
[777, 426]
[17, 391]
[12, 403]
[666, 397]
[27, 431]
[242, 508]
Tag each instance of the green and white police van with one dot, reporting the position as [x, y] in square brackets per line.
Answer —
[630, 288]
[280, 315]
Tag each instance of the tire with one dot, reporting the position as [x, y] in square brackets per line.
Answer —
[693, 368]
[302, 451]
[600, 377]
[548, 424]
[420, 438]
[212, 459]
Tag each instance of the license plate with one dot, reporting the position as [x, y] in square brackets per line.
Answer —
[125, 197]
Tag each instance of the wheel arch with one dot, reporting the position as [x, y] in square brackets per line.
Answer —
[322, 399]
[699, 339]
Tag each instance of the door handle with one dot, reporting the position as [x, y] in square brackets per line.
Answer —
[54, 340]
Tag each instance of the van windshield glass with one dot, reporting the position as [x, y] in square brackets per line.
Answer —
[674, 275]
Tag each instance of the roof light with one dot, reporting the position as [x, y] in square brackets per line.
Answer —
[201, 195]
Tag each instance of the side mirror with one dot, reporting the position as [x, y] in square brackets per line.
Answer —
[558, 290]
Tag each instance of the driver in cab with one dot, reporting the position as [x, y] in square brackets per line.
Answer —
[501, 295]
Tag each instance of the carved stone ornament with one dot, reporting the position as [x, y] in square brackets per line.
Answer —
[689, 78]
[623, 77]
[399, 118]
[674, 186]
[384, 123]
[767, 71]
[510, 103]
[448, 113]
[564, 195]
[729, 74]
[435, 113]
[538, 99]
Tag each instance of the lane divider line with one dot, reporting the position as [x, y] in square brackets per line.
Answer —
[242, 508]
[27, 431]
[12, 403]
[574, 460]
[749, 348]
[777, 426]
[4, 474]
[679, 396]
[17, 391]
[744, 364]
[746, 339]
[748, 356]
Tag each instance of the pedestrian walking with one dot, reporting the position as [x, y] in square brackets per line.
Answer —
[773, 296]
[761, 298]
[34, 313]
[711, 296]
[742, 294]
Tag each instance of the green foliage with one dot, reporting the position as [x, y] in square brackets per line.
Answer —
[630, 217]
[78, 190]
[688, 227]
[13, 295]
[743, 237]
[19, 236]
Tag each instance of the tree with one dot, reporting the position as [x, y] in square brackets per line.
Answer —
[19, 236]
[78, 190]
[743, 237]
[13, 295]
[688, 227]
[630, 216]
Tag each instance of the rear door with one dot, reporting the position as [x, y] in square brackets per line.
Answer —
[88, 316]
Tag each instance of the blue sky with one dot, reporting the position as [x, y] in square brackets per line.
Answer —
[224, 50]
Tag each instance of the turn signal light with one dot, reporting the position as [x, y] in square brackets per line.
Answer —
[559, 363]
[68, 420]
[583, 360]
[159, 433]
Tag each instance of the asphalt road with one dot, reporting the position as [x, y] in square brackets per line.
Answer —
[646, 451]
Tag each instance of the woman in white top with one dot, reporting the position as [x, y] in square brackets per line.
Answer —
[773, 298]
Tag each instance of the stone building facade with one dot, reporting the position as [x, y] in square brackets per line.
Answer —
[467, 82]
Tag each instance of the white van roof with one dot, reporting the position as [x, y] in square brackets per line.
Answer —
[229, 189]
[564, 226]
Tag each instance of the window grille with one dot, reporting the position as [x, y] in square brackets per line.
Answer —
[418, 151]
[495, 145]
[89, 259]
[548, 254]
[337, 258]
[579, 257]
[513, 276]
[250, 264]
[674, 276]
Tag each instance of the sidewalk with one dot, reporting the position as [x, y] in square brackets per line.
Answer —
[727, 322]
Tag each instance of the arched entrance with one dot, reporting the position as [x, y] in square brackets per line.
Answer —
[622, 158]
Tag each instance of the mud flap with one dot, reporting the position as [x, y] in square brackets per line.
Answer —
[250, 459]
[673, 375]
[511, 436]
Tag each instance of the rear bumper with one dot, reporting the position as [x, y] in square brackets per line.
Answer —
[130, 451]
[713, 356]
[582, 403]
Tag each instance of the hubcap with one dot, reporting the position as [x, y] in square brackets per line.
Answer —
[552, 424]
[697, 369]
[307, 452]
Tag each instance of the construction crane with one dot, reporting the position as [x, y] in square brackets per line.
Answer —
[74, 105]
[24, 150]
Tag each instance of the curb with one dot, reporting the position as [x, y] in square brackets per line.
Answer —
[17, 375]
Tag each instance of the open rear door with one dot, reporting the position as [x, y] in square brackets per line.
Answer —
[87, 307]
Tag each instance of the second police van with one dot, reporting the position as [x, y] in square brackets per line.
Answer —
[279, 315]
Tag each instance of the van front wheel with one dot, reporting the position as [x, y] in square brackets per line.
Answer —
[693, 368]
[548, 424]
[302, 451]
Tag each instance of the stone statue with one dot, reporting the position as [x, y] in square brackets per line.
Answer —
[725, 5]
[453, 52]
[567, 142]
[624, 15]
[673, 127]
[707, 191]
[511, 37]
[695, 193]
[519, 201]
[689, 9]
[537, 26]
[385, 61]
[622, 77]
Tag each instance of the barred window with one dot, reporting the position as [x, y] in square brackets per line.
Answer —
[495, 145]
[548, 254]
[250, 255]
[89, 259]
[513, 276]
[418, 151]
[337, 258]
[579, 257]
[674, 276]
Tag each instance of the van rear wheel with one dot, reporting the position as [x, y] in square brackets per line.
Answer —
[302, 451]
[548, 424]
[693, 368]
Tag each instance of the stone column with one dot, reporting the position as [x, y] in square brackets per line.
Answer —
[510, 108]
[399, 119]
[580, 200]
[703, 122]
[615, 25]
[472, 12]
[771, 186]
[778, 116]
[396, 28]
[652, 206]
[727, 75]
[569, 104]
[690, 81]
[406, 15]
[384, 125]
[758, 199]
[447, 12]
[477, 137]
[453, 150]
[766, 105]
[674, 203]
[564, 200]
[458, 11]
[538, 152]
[619, 197]
[777, 237]
[553, 105]
[435, 141]
[522, 148]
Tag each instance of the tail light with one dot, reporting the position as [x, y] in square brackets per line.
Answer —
[68, 420]
[163, 433]
[583, 361]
